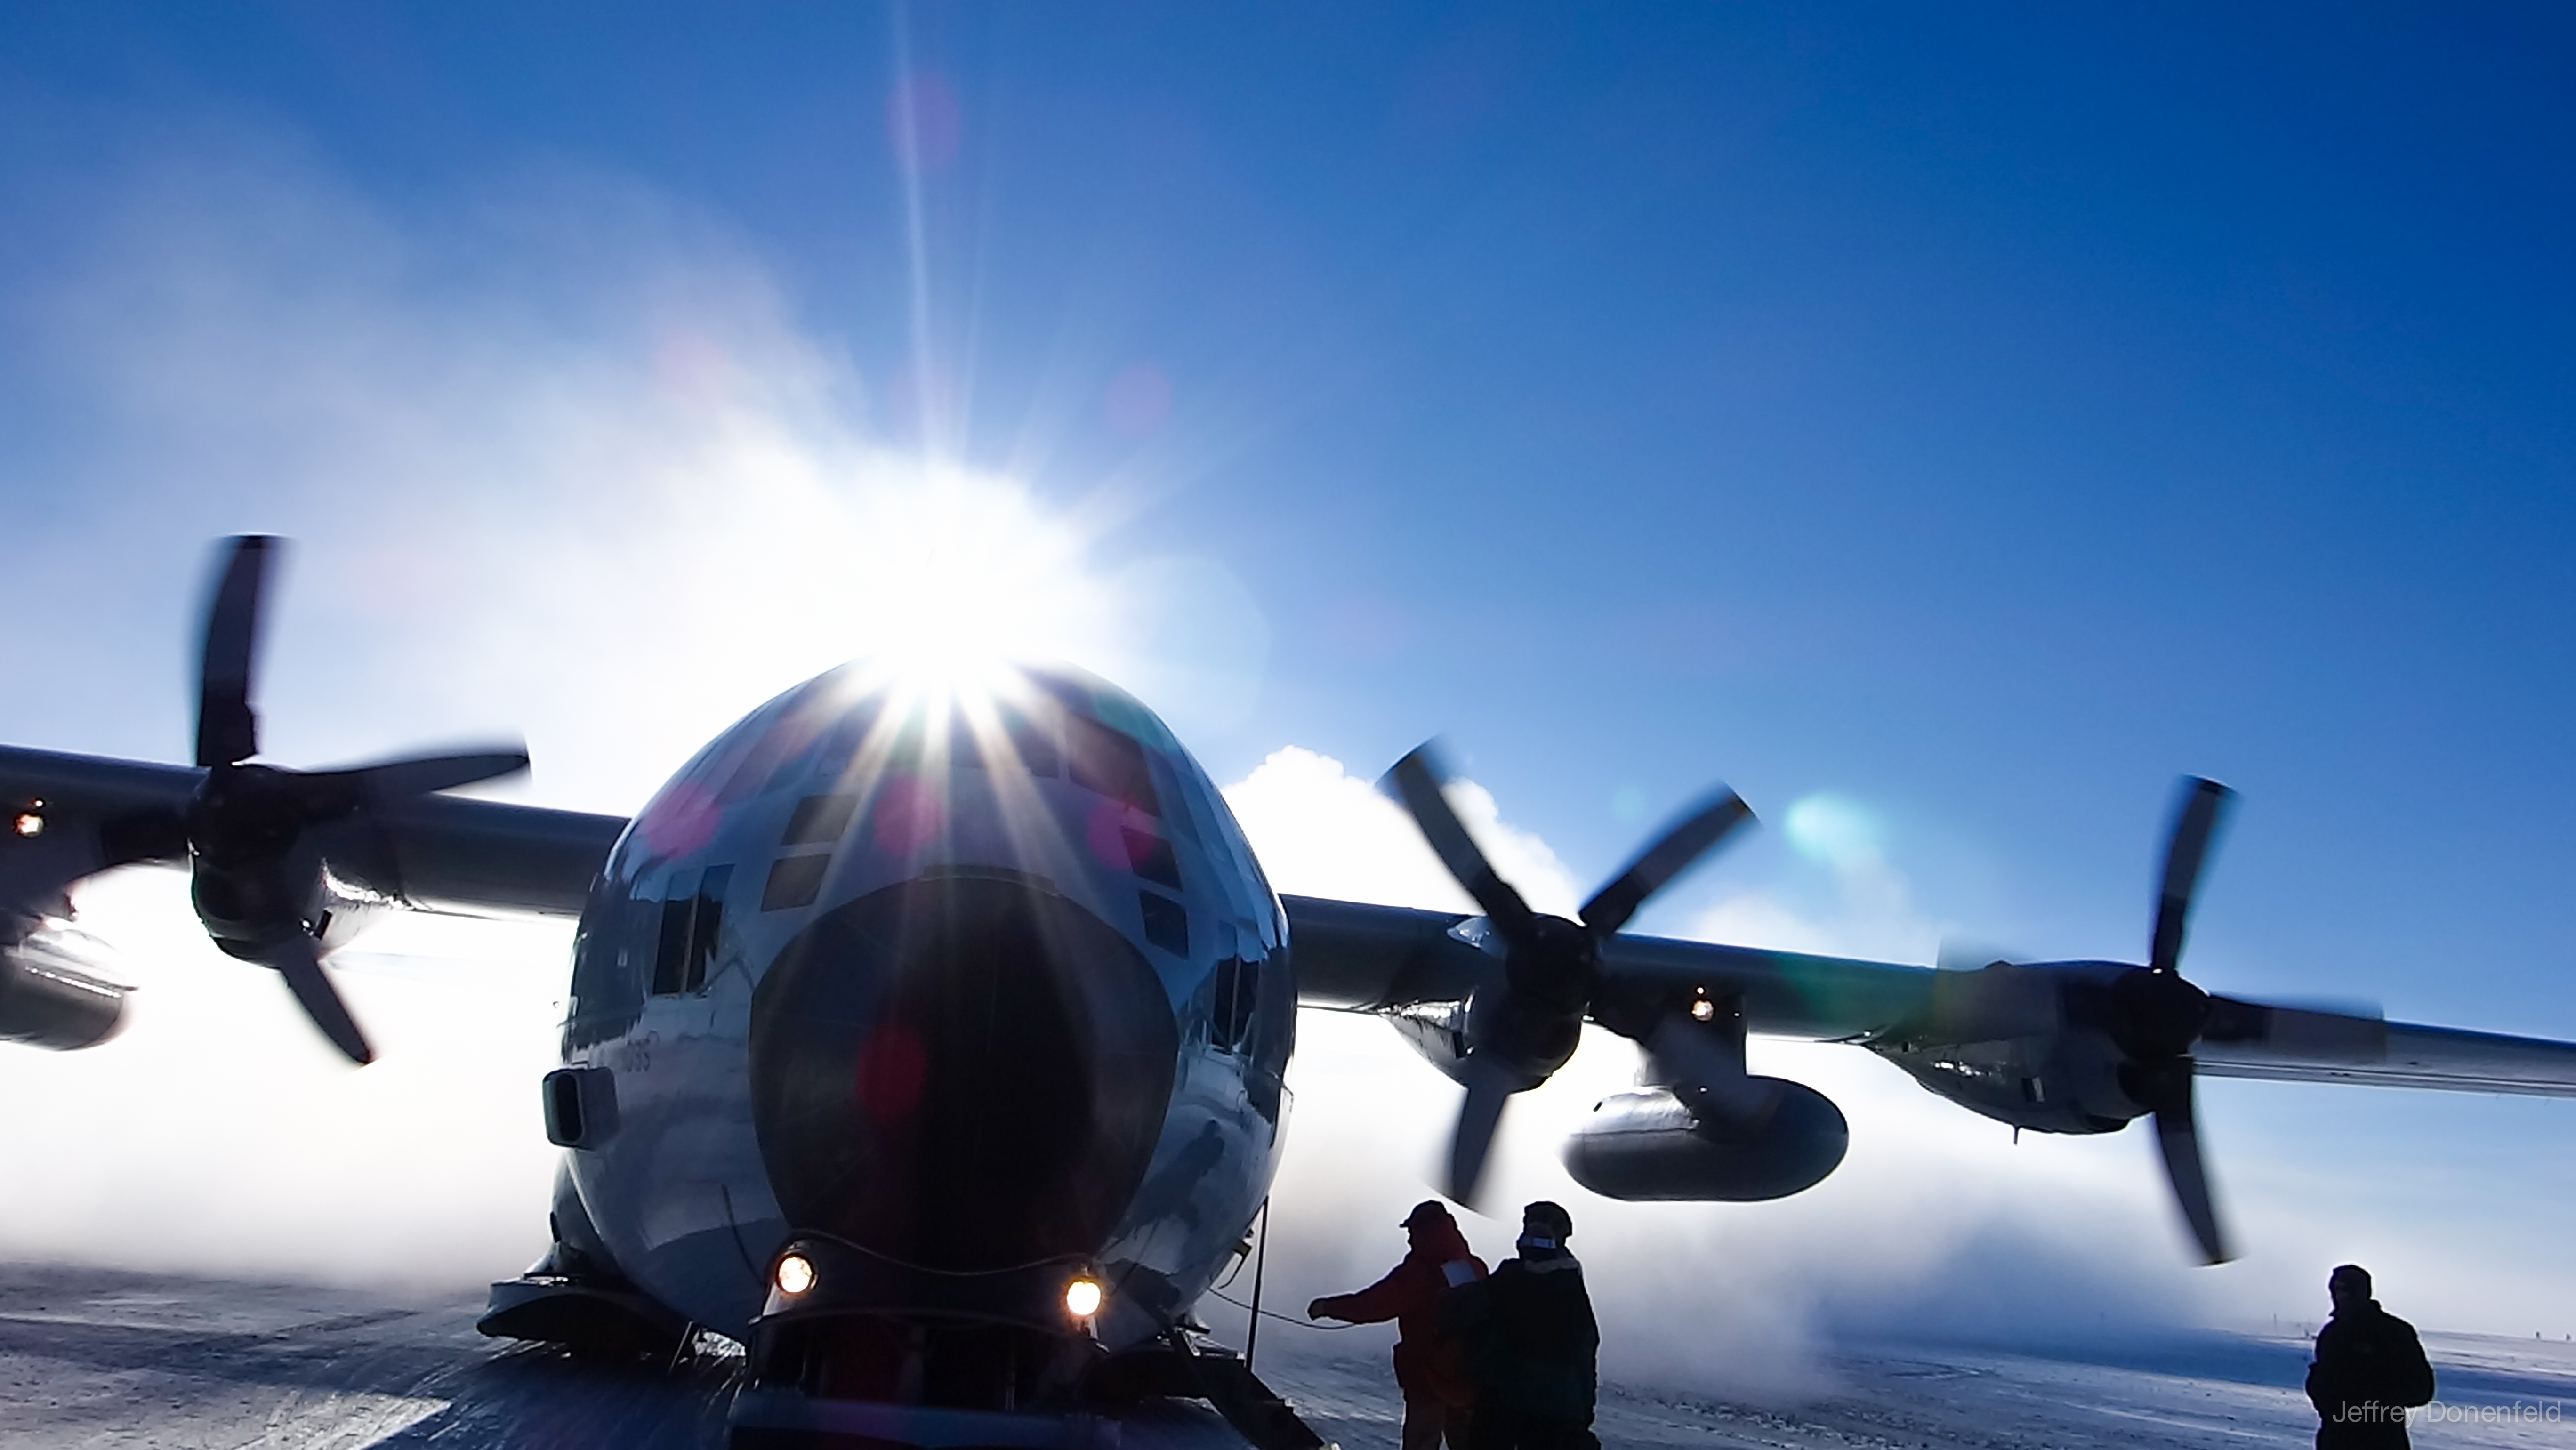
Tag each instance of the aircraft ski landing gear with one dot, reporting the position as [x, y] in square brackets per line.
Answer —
[595, 1316]
[576, 1297]
[1179, 1367]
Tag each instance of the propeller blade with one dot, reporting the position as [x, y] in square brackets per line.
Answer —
[2196, 822]
[1488, 1088]
[298, 958]
[393, 780]
[1707, 824]
[2317, 1032]
[1415, 782]
[2178, 1137]
[227, 731]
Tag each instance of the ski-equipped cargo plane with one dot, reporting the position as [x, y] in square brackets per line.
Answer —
[927, 1031]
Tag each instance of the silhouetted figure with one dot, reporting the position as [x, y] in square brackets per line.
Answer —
[1437, 1395]
[1531, 1342]
[2369, 1369]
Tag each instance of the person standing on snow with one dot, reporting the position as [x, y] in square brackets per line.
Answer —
[1532, 1344]
[1437, 1393]
[2369, 1369]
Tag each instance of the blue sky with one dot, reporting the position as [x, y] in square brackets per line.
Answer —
[1968, 419]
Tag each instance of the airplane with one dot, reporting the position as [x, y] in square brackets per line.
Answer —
[928, 1029]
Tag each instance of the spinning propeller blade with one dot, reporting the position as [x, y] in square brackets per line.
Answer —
[2197, 818]
[256, 883]
[2178, 1139]
[1489, 1090]
[227, 731]
[1415, 782]
[393, 780]
[1552, 973]
[2202, 810]
[1721, 811]
[298, 959]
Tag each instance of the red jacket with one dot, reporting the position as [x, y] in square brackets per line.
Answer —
[1428, 1364]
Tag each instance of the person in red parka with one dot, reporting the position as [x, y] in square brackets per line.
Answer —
[1438, 1396]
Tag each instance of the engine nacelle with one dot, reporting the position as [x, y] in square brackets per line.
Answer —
[48, 997]
[1650, 1146]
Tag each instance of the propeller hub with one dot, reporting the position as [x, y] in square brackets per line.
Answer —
[1553, 964]
[1523, 1029]
[2156, 1014]
[244, 815]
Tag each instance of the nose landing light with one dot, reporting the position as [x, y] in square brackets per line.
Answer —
[795, 1275]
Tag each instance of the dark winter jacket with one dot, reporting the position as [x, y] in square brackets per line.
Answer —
[1427, 1361]
[1532, 1345]
[2369, 1368]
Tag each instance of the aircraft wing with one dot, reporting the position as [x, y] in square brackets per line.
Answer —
[1362, 958]
[1356, 957]
[70, 816]
[2409, 1056]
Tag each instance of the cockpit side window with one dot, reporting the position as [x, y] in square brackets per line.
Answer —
[819, 820]
[671, 945]
[1100, 759]
[839, 745]
[1032, 737]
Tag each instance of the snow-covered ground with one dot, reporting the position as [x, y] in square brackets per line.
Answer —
[91, 1358]
[2219, 1390]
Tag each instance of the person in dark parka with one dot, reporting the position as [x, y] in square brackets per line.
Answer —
[1532, 1344]
[1438, 1399]
[2369, 1368]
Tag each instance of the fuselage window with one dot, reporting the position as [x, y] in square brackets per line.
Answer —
[820, 819]
[1173, 784]
[839, 745]
[671, 946]
[1152, 857]
[1238, 993]
[1167, 922]
[1100, 759]
[685, 937]
[1031, 739]
[705, 924]
[794, 881]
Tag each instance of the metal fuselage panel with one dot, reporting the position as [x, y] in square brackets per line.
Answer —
[961, 974]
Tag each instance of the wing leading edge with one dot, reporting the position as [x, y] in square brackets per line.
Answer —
[1356, 957]
[75, 815]
[2446, 1058]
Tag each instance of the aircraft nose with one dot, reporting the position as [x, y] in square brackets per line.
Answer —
[960, 1073]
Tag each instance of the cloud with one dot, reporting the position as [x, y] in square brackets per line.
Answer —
[1324, 832]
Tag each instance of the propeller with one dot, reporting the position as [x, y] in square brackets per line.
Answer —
[258, 891]
[2155, 1016]
[1520, 1033]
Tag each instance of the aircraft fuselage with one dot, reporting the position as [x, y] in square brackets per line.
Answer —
[971, 977]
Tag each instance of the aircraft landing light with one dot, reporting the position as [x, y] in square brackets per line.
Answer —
[1082, 1297]
[29, 823]
[795, 1274]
